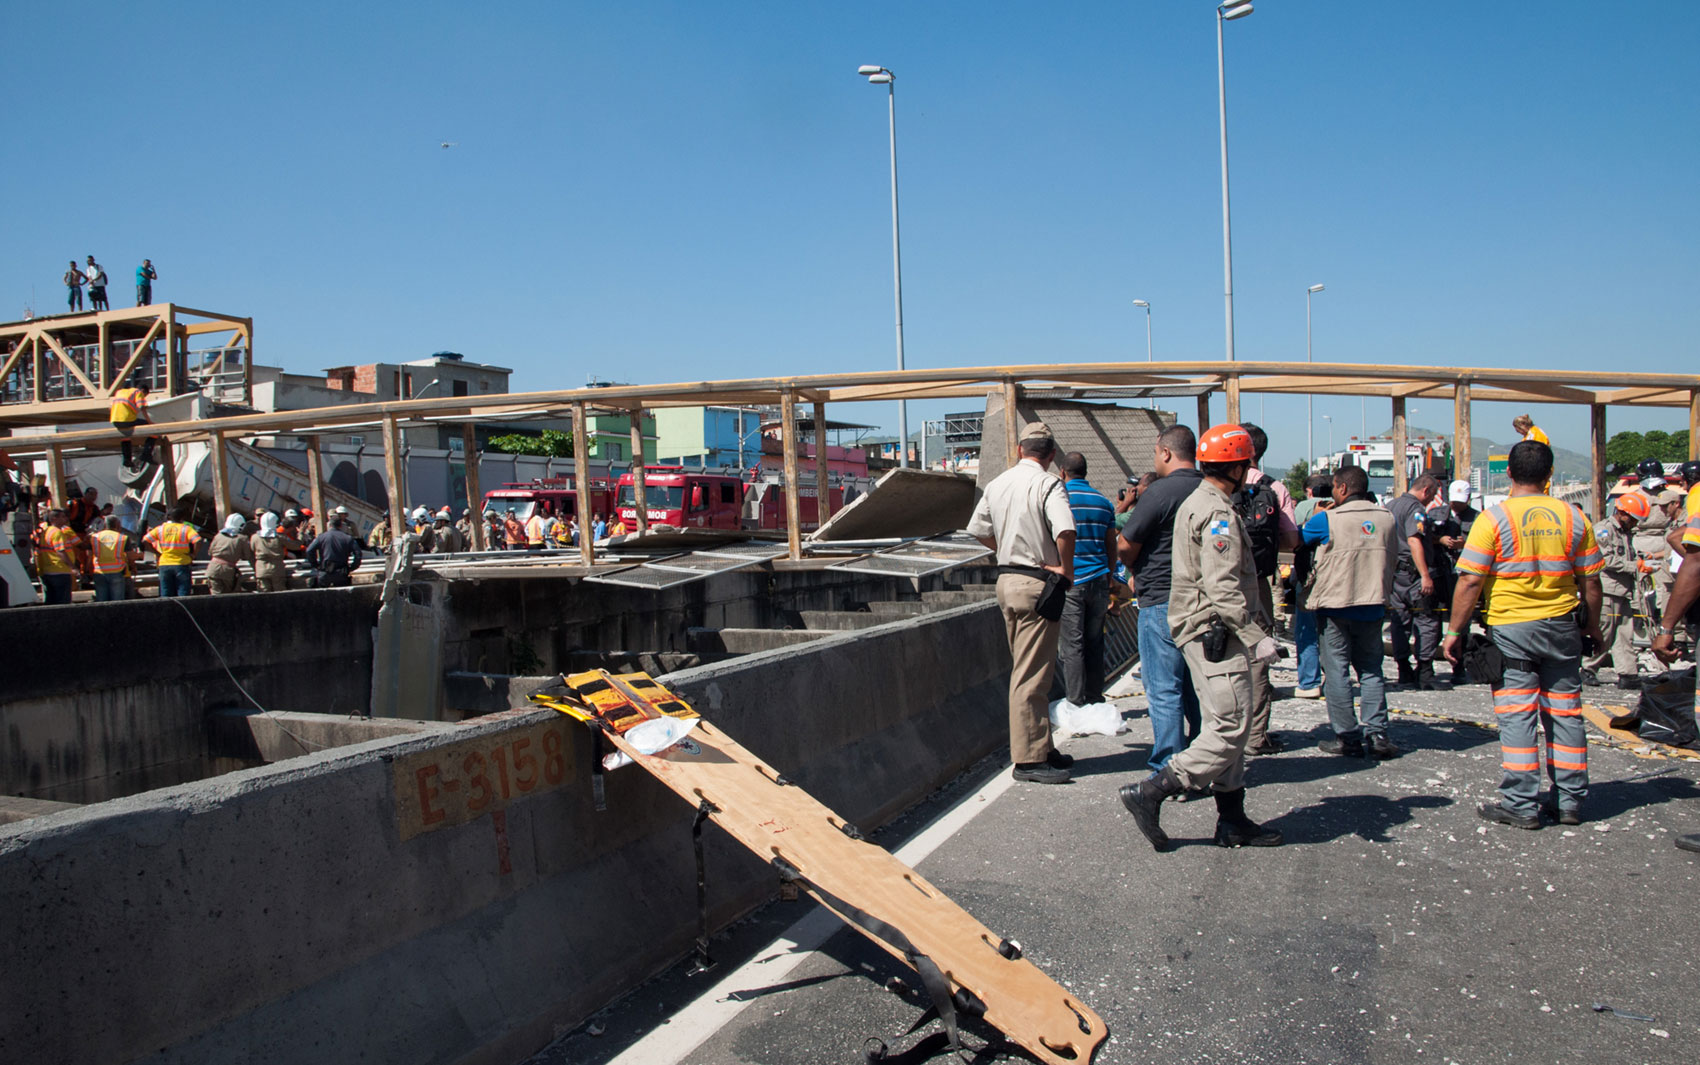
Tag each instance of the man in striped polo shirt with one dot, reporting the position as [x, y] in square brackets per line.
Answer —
[1080, 648]
[1531, 556]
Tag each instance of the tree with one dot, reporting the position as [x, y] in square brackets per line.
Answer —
[1624, 450]
[1296, 478]
[550, 442]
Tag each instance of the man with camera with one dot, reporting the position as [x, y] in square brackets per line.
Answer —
[1024, 516]
[1531, 556]
[1217, 620]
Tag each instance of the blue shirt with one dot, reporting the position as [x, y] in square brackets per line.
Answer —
[1314, 533]
[1094, 517]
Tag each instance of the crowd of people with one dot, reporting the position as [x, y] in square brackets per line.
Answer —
[1196, 544]
[92, 275]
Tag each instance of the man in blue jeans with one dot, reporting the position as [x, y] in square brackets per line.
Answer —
[1319, 491]
[1080, 651]
[1147, 548]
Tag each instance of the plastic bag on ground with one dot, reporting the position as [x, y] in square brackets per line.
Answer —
[1093, 719]
[1667, 708]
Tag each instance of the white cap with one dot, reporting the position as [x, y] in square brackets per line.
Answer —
[1458, 492]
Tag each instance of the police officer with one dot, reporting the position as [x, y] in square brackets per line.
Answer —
[1415, 607]
[1531, 555]
[1024, 516]
[1216, 618]
[1623, 566]
[333, 554]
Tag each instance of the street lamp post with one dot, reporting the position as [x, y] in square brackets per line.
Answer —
[878, 75]
[1310, 399]
[1226, 13]
[1329, 418]
[1152, 403]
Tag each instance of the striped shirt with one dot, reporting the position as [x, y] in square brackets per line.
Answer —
[1531, 549]
[1094, 517]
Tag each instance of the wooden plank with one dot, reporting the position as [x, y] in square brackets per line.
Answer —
[1597, 454]
[1638, 396]
[397, 475]
[66, 361]
[168, 466]
[220, 459]
[104, 363]
[581, 470]
[1011, 418]
[823, 494]
[1401, 477]
[14, 357]
[1203, 413]
[136, 355]
[316, 481]
[474, 496]
[173, 380]
[56, 475]
[39, 365]
[1461, 429]
[788, 442]
[640, 497]
[783, 824]
[1562, 393]
[1232, 390]
[1694, 424]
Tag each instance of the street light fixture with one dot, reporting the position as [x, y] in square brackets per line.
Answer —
[1310, 422]
[1226, 13]
[1146, 304]
[1329, 418]
[878, 75]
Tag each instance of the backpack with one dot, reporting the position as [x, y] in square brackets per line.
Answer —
[1260, 513]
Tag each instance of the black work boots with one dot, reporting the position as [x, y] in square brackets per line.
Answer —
[1144, 801]
[1235, 829]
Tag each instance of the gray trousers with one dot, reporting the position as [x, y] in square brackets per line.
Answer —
[1217, 757]
[1413, 613]
[1262, 691]
[1545, 699]
[1346, 645]
[1080, 647]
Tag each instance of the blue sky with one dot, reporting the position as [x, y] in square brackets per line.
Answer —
[681, 191]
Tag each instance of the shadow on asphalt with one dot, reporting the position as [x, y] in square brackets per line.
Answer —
[1369, 817]
[1615, 797]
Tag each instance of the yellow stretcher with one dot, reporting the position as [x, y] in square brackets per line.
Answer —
[964, 966]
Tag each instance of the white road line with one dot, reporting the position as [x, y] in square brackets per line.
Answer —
[711, 1011]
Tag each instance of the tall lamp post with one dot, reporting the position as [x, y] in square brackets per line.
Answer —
[1310, 421]
[1227, 12]
[1152, 403]
[878, 75]
[1329, 418]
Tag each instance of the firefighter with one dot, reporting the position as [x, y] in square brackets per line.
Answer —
[445, 538]
[271, 554]
[1623, 567]
[1531, 556]
[1216, 617]
[228, 549]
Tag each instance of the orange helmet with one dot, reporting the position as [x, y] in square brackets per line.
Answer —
[1225, 443]
[1635, 505]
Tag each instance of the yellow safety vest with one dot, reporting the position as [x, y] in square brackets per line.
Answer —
[127, 406]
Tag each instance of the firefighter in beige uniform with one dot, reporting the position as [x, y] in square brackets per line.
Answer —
[1217, 623]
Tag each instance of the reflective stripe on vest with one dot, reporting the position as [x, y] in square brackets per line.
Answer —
[109, 552]
[172, 536]
[126, 405]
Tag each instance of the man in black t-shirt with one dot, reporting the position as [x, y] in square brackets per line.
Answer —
[1414, 604]
[1147, 543]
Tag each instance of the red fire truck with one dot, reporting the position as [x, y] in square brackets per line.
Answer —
[711, 499]
[553, 494]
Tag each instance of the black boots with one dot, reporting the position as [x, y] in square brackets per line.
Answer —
[1235, 829]
[1144, 801]
[1425, 676]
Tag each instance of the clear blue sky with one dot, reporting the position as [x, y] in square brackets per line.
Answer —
[678, 191]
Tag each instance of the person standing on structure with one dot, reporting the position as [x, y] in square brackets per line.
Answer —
[74, 279]
[1081, 640]
[1147, 549]
[1530, 556]
[130, 409]
[146, 275]
[1216, 618]
[1416, 611]
[1351, 581]
[1024, 516]
[97, 286]
[1528, 430]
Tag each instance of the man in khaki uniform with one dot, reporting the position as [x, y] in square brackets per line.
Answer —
[1217, 621]
[1024, 516]
[1616, 537]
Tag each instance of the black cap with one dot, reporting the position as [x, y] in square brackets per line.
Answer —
[1690, 471]
[1650, 468]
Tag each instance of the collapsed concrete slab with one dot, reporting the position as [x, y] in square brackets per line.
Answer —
[904, 503]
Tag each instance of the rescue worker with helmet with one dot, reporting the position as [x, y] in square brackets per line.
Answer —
[229, 548]
[1623, 567]
[271, 555]
[445, 537]
[1216, 619]
[130, 409]
[1531, 556]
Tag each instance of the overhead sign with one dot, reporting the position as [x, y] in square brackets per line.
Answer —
[1496, 463]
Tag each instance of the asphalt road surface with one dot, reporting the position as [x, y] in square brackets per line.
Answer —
[1394, 926]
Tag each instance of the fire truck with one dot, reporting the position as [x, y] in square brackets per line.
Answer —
[558, 495]
[723, 499]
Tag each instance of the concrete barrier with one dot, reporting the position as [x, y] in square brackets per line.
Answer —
[353, 904]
